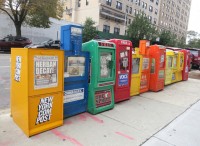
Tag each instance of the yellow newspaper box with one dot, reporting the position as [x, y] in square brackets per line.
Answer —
[175, 67]
[180, 65]
[136, 72]
[169, 66]
[37, 89]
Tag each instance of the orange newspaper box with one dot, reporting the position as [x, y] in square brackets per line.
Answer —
[158, 59]
[145, 74]
[186, 67]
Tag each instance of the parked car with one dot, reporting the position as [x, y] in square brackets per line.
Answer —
[54, 44]
[195, 57]
[13, 42]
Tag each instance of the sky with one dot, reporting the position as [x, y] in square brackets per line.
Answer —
[194, 20]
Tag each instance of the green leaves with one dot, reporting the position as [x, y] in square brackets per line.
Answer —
[141, 28]
[89, 30]
[35, 13]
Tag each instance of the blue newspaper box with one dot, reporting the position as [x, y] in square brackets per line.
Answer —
[76, 68]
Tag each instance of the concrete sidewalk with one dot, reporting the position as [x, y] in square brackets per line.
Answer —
[130, 123]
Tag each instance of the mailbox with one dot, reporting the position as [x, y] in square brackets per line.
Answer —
[102, 75]
[123, 69]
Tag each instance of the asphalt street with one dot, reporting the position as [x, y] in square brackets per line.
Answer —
[4, 81]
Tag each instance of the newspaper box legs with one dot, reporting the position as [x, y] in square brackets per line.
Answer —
[37, 89]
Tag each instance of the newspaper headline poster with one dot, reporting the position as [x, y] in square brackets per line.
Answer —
[45, 71]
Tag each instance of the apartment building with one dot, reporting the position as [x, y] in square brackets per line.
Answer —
[114, 16]
[174, 16]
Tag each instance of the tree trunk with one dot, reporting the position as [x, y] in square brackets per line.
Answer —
[18, 29]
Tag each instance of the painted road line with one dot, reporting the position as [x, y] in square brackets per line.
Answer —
[124, 135]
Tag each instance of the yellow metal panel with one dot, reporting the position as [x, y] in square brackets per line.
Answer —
[169, 66]
[135, 78]
[45, 112]
[33, 53]
[19, 89]
[44, 109]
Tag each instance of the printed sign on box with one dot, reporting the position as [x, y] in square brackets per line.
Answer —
[123, 79]
[45, 72]
[73, 95]
[103, 98]
[44, 110]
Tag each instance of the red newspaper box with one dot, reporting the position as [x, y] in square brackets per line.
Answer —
[145, 74]
[158, 59]
[186, 66]
[123, 69]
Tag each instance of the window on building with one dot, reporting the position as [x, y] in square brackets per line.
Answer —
[139, 2]
[151, 0]
[119, 5]
[156, 11]
[106, 28]
[129, 21]
[150, 8]
[130, 10]
[155, 21]
[136, 2]
[127, 7]
[142, 4]
[157, 1]
[150, 18]
[79, 3]
[116, 30]
[87, 2]
[145, 5]
[109, 2]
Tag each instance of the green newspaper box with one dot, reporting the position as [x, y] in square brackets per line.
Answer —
[101, 75]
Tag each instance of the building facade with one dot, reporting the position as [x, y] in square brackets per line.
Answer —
[114, 16]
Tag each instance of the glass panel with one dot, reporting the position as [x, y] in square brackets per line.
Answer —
[123, 60]
[175, 62]
[169, 61]
[105, 64]
[135, 65]
[161, 74]
[145, 64]
[74, 66]
[153, 66]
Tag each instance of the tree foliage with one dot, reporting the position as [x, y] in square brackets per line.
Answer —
[89, 30]
[33, 12]
[167, 38]
[141, 28]
[193, 39]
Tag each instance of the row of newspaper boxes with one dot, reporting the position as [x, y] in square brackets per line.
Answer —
[49, 85]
